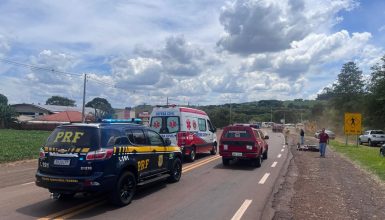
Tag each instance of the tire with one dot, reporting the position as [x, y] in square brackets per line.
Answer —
[214, 150]
[191, 156]
[225, 161]
[63, 196]
[176, 171]
[264, 155]
[257, 162]
[370, 143]
[359, 141]
[124, 189]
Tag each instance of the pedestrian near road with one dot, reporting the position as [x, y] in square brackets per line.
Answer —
[302, 133]
[323, 140]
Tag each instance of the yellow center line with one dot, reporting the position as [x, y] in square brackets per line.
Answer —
[201, 164]
[66, 211]
[71, 214]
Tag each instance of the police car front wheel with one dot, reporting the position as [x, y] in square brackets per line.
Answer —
[125, 189]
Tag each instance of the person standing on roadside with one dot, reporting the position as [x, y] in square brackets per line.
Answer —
[302, 134]
[323, 140]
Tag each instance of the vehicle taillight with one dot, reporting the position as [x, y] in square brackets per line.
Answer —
[102, 154]
[41, 153]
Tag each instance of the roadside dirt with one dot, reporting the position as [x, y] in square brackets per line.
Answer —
[327, 188]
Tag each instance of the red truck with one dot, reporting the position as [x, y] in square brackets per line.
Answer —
[242, 142]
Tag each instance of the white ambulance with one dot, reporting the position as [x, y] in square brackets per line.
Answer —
[189, 128]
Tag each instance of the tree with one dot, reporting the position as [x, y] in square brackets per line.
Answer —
[58, 100]
[348, 92]
[7, 113]
[376, 97]
[104, 107]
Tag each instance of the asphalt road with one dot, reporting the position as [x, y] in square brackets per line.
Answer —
[207, 190]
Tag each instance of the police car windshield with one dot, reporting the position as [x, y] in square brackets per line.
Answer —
[65, 137]
[165, 124]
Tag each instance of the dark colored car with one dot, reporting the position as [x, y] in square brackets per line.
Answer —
[243, 143]
[105, 157]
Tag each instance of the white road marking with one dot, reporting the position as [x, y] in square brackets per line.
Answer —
[264, 178]
[238, 215]
[282, 150]
[24, 184]
[279, 155]
[274, 164]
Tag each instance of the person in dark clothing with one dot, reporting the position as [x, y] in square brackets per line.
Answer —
[323, 140]
[302, 133]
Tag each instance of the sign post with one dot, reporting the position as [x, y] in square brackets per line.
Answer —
[353, 124]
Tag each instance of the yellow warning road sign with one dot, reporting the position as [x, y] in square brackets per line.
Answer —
[352, 123]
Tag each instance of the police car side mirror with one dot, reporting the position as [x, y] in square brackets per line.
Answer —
[167, 142]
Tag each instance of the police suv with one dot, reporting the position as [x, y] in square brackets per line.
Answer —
[105, 157]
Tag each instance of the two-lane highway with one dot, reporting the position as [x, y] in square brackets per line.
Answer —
[207, 190]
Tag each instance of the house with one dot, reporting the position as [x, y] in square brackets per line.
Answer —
[35, 110]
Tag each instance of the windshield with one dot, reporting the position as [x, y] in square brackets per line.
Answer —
[165, 124]
[65, 137]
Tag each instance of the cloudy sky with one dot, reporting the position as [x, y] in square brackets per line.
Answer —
[195, 51]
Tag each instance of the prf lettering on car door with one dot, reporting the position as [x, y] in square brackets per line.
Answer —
[68, 136]
[143, 164]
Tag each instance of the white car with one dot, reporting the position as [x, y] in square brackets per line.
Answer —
[372, 137]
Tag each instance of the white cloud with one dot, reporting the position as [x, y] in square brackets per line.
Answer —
[267, 26]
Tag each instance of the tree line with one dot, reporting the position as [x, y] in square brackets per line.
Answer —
[354, 93]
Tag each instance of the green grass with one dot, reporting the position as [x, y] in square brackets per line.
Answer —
[20, 144]
[367, 157]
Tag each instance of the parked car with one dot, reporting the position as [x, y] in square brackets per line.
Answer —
[330, 133]
[243, 143]
[372, 137]
[105, 157]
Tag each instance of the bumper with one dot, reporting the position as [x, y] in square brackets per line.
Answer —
[94, 183]
[244, 155]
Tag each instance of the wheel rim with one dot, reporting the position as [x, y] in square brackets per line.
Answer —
[127, 189]
[177, 170]
[192, 155]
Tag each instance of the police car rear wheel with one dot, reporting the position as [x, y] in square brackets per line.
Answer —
[124, 190]
[176, 171]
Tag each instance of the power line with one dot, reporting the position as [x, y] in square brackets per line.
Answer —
[38, 67]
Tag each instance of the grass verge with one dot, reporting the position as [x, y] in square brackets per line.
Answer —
[20, 144]
[367, 157]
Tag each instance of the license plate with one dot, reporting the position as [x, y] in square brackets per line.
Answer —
[62, 162]
[237, 154]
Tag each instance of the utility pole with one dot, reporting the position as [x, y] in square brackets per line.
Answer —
[84, 97]
[230, 111]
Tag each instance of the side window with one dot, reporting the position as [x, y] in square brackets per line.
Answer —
[257, 135]
[110, 137]
[172, 124]
[211, 127]
[136, 136]
[202, 124]
[156, 123]
[261, 135]
[155, 139]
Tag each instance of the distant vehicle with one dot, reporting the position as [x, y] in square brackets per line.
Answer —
[372, 137]
[112, 157]
[330, 133]
[243, 143]
[277, 128]
[189, 128]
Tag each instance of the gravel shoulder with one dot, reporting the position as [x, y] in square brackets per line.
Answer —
[327, 188]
